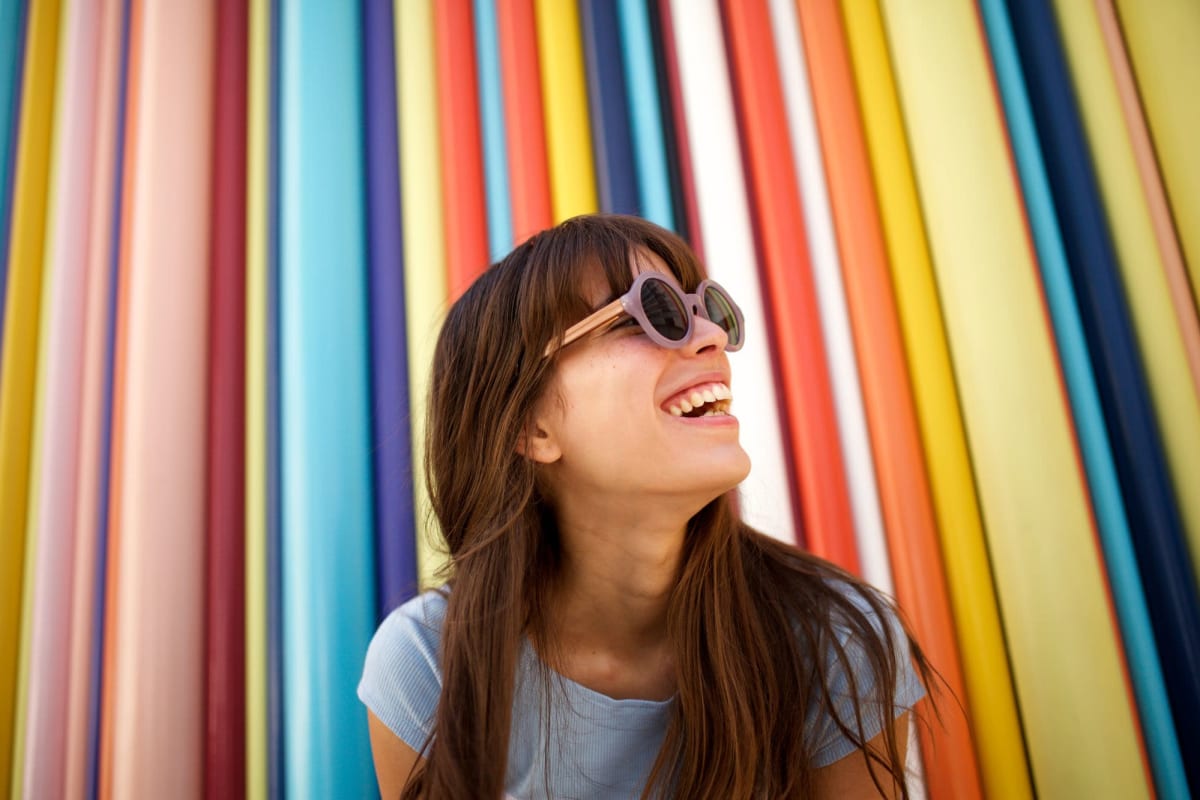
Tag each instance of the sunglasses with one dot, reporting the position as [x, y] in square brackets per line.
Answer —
[665, 313]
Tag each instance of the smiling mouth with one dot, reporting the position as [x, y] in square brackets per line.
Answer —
[706, 400]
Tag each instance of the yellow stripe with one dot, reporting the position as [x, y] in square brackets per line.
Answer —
[1162, 39]
[258, 102]
[564, 98]
[1067, 666]
[1158, 334]
[18, 371]
[424, 242]
[996, 726]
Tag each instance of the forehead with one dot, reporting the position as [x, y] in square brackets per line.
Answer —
[596, 286]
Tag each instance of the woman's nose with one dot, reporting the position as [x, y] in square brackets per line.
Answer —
[706, 334]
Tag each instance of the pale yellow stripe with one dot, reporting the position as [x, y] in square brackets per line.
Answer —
[997, 731]
[424, 243]
[19, 357]
[258, 121]
[1158, 334]
[1080, 730]
[1163, 38]
[564, 101]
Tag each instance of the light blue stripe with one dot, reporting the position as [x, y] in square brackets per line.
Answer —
[327, 505]
[645, 113]
[12, 50]
[491, 117]
[1144, 667]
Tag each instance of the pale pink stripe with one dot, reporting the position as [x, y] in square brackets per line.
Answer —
[1156, 198]
[97, 232]
[45, 722]
[158, 657]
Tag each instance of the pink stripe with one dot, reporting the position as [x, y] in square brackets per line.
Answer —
[1156, 198]
[155, 648]
[45, 745]
[106, 20]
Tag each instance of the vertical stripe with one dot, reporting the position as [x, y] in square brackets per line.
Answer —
[257, 336]
[465, 216]
[425, 289]
[616, 176]
[766, 496]
[495, 140]
[327, 505]
[568, 142]
[529, 177]
[1162, 38]
[396, 546]
[1067, 663]
[645, 113]
[779, 224]
[154, 646]
[54, 465]
[13, 16]
[225, 731]
[675, 135]
[19, 348]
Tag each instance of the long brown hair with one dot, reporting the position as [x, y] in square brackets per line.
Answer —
[751, 620]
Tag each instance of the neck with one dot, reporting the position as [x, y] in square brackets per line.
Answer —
[617, 578]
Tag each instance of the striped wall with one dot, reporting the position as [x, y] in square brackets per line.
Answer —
[966, 236]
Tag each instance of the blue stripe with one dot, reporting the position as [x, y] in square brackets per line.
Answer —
[649, 148]
[391, 443]
[13, 20]
[491, 119]
[616, 180]
[1115, 536]
[328, 562]
[1153, 515]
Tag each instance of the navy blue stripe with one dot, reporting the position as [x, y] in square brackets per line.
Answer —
[1137, 445]
[612, 144]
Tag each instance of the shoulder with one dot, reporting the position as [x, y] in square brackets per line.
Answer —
[402, 676]
[865, 673]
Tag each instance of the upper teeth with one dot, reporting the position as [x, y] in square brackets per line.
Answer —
[717, 394]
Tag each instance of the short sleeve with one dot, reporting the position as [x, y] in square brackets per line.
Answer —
[829, 744]
[402, 677]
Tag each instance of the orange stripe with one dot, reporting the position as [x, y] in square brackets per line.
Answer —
[462, 157]
[528, 176]
[795, 317]
[903, 483]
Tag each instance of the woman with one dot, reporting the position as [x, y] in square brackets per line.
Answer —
[609, 627]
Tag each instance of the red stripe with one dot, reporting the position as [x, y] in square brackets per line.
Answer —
[462, 155]
[528, 179]
[225, 678]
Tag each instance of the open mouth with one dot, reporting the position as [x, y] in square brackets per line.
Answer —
[704, 400]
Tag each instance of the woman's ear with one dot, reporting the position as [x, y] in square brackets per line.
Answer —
[537, 444]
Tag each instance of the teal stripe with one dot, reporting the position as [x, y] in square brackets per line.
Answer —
[1115, 537]
[12, 35]
[491, 117]
[645, 113]
[327, 503]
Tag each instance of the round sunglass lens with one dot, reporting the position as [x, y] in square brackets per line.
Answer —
[720, 310]
[665, 310]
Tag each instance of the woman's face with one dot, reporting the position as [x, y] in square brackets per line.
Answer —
[608, 413]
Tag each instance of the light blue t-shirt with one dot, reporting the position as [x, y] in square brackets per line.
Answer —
[596, 747]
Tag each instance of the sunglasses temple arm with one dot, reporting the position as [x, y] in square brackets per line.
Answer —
[596, 319]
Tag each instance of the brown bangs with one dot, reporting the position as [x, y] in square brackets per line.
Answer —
[561, 260]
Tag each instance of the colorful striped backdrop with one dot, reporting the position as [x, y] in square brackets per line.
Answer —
[966, 236]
